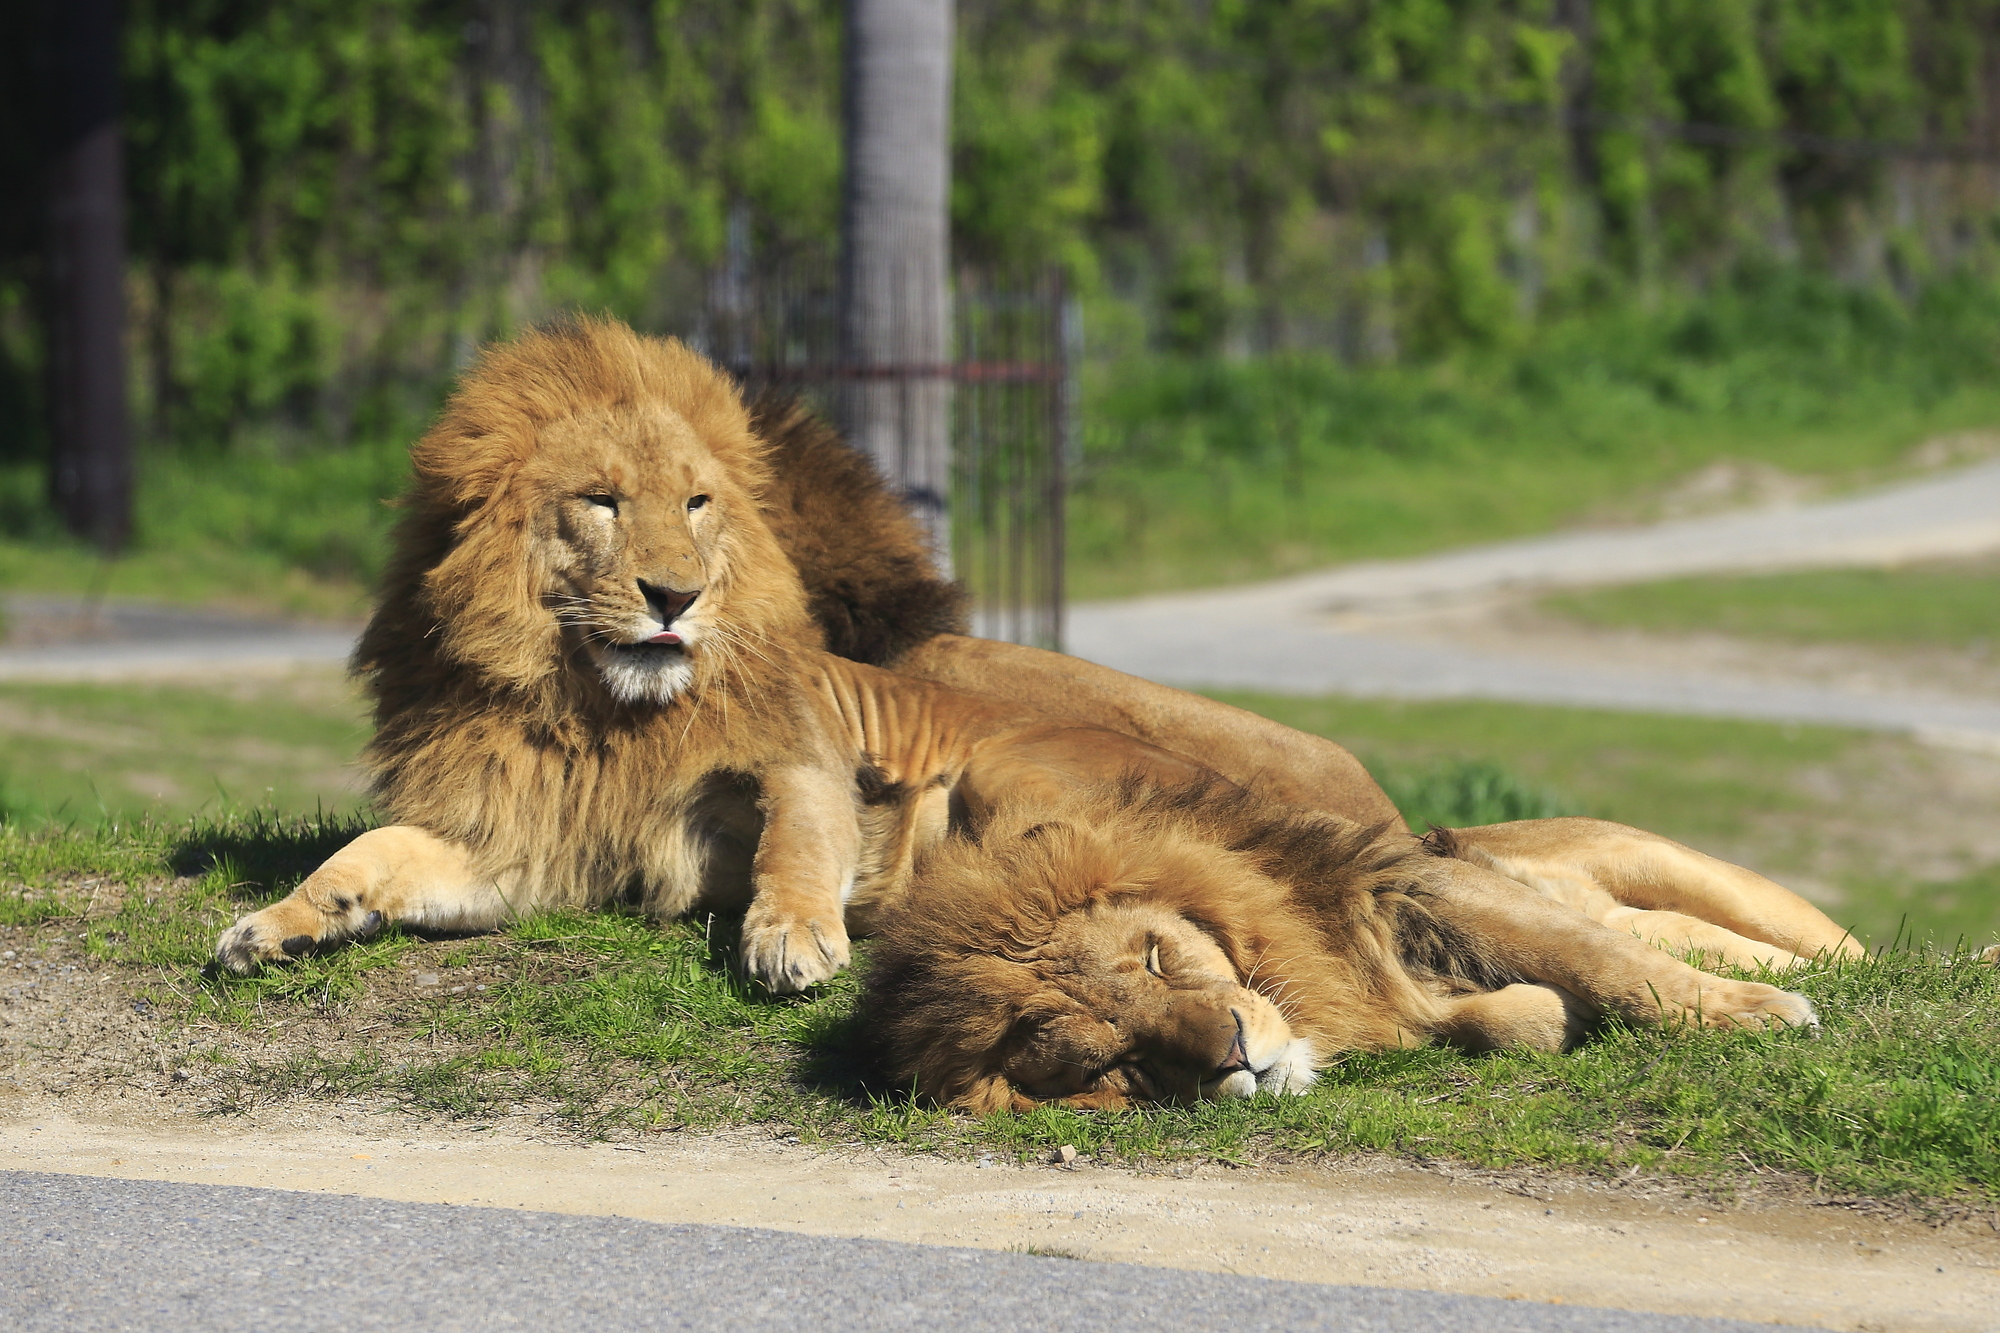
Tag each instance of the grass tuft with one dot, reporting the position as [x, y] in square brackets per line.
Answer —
[1465, 793]
[1938, 605]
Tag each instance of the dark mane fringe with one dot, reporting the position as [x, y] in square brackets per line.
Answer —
[870, 580]
[1322, 860]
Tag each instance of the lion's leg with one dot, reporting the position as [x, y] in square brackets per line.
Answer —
[1682, 933]
[1655, 874]
[1531, 1015]
[793, 933]
[395, 874]
[1047, 766]
[1514, 927]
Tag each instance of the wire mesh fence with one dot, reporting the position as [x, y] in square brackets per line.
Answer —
[1006, 396]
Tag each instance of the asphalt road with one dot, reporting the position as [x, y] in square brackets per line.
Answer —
[81, 1254]
[1296, 635]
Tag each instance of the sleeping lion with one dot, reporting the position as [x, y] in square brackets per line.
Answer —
[1180, 943]
[630, 647]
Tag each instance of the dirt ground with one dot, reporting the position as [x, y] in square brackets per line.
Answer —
[93, 1083]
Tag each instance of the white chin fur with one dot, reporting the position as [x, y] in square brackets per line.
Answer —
[1292, 1072]
[634, 680]
[1242, 1083]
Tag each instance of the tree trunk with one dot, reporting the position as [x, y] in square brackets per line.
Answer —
[895, 249]
[90, 474]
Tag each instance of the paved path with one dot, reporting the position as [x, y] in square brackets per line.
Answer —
[1332, 1226]
[79, 1254]
[1288, 635]
[68, 638]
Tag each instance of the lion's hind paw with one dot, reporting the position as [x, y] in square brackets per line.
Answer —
[1752, 1004]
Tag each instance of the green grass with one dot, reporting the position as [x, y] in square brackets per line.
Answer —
[1792, 801]
[91, 751]
[299, 534]
[1207, 471]
[1811, 802]
[1954, 605]
[615, 1025]
[1698, 779]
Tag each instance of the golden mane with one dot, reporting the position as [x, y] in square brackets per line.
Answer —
[871, 582]
[458, 592]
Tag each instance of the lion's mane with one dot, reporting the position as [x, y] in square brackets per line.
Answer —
[871, 584]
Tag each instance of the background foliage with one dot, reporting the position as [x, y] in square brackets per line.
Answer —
[332, 202]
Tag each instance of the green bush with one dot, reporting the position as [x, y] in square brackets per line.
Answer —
[1466, 794]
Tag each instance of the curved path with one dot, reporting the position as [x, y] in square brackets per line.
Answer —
[377, 1210]
[1300, 635]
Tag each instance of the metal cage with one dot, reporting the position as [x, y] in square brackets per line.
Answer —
[1010, 387]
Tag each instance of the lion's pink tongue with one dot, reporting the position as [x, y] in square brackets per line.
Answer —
[666, 636]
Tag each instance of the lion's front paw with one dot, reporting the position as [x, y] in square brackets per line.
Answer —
[256, 940]
[282, 931]
[1752, 1004]
[787, 954]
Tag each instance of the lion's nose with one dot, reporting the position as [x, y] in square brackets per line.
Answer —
[666, 603]
[1238, 1060]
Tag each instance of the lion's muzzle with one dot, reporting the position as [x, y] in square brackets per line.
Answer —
[1233, 1077]
[669, 604]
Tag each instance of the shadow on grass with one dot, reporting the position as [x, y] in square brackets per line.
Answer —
[841, 1054]
[845, 1059]
[262, 852]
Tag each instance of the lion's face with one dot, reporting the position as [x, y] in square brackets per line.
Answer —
[1138, 1004]
[634, 518]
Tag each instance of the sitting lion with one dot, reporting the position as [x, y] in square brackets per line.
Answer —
[1150, 944]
